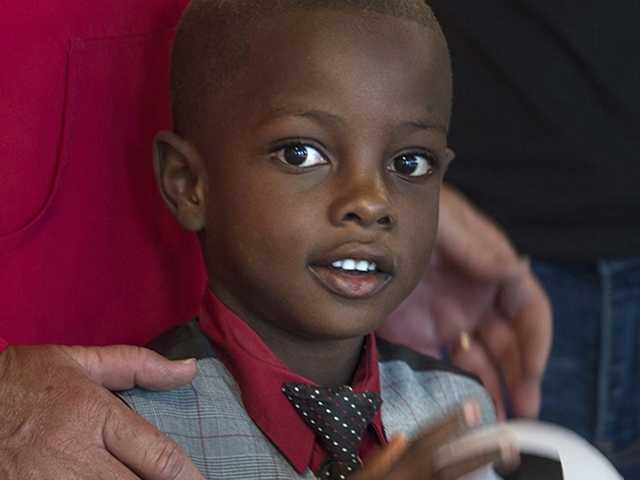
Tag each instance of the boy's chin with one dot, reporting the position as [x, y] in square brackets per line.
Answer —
[346, 326]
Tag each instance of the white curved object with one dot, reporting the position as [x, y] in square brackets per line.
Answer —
[579, 459]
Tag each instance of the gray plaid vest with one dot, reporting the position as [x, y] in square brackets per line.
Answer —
[208, 420]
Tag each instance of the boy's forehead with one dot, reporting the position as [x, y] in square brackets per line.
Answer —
[235, 47]
[307, 53]
[299, 23]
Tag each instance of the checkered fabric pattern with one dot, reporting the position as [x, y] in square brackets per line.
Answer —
[208, 420]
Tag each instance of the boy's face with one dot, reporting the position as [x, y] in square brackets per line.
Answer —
[326, 154]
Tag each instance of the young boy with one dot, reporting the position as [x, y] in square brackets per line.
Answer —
[308, 151]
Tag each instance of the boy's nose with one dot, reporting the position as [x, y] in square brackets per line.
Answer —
[366, 205]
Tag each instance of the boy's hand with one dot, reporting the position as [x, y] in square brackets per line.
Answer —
[477, 283]
[58, 421]
[423, 457]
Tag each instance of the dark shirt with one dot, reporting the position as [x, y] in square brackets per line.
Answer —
[546, 121]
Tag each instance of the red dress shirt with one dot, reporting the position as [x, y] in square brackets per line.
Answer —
[88, 252]
[260, 376]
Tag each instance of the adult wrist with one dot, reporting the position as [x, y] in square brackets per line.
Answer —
[3, 344]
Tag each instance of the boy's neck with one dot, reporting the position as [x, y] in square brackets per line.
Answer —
[327, 363]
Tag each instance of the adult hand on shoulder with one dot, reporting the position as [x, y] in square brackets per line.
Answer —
[477, 283]
[429, 457]
[59, 421]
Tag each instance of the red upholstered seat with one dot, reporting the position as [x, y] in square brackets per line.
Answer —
[88, 253]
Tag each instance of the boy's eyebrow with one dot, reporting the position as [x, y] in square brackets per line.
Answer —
[425, 125]
[318, 116]
[324, 117]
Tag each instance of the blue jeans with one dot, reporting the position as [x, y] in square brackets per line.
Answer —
[592, 382]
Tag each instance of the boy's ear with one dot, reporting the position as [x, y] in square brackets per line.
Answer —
[182, 179]
[448, 158]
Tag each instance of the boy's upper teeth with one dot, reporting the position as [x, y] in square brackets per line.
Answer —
[352, 264]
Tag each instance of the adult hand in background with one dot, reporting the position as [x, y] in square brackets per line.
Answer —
[477, 283]
[58, 421]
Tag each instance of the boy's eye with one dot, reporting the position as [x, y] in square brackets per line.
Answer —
[300, 155]
[412, 165]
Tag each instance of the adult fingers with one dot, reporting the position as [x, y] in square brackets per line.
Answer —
[146, 451]
[476, 360]
[55, 419]
[121, 367]
[532, 327]
[473, 241]
[112, 469]
[534, 324]
[501, 345]
[512, 343]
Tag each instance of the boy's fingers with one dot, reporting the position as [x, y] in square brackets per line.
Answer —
[382, 462]
[419, 456]
[145, 450]
[505, 454]
[467, 416]
[416, 460]
[121, 367]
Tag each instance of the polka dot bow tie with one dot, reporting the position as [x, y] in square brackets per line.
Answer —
[339, 417]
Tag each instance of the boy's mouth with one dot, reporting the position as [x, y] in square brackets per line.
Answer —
[351, 277]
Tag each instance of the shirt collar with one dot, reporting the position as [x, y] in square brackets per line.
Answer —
[260, 376]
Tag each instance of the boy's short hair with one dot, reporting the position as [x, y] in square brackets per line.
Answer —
[213, 39]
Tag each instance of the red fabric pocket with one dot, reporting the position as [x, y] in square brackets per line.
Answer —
[88, 252]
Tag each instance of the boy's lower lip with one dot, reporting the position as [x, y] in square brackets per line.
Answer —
[350, 285]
